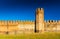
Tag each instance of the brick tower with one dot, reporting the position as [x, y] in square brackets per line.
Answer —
[40, 20]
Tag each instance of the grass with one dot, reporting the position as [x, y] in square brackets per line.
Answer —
[50, 35]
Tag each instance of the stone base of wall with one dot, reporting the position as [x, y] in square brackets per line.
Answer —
[17, 32]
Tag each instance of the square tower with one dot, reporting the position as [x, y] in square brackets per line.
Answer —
[40, 20]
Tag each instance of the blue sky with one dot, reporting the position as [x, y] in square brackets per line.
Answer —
[25, 9]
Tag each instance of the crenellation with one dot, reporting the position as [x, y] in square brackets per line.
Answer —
[39, 25]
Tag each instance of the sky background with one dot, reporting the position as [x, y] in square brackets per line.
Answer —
[25, 9]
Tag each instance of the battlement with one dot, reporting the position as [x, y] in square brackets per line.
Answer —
[52, 21]
[39, 25]
[39, 10]
[16, 22]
